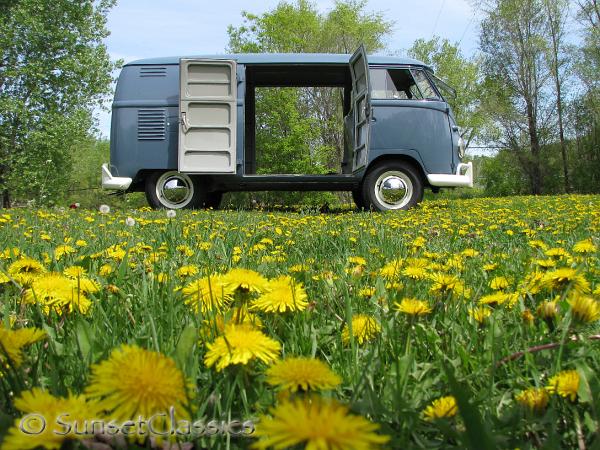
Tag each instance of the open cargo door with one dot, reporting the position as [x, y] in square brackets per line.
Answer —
[207, 111]
[361, 95]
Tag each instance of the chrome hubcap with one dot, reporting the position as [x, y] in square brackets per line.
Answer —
[393, 189]
[174, 190]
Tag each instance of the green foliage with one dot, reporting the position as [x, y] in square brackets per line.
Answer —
[515, 46]
[298, 27]
[55, 69]
[500, 175]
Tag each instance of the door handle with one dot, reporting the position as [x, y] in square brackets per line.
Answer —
[455, 128]
[184, 123]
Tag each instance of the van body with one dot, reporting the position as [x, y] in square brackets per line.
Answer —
[183, 128]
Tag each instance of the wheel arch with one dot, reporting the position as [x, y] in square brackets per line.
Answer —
[396, 157]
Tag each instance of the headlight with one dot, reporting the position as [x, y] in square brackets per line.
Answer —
[461, 148]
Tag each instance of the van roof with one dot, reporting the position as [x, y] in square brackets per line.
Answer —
[282, 58]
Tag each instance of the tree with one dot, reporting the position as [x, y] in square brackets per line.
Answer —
[556, 26]
[54, 68]
[514, 46]
[463, 74]
[584, 110]
[299, 27]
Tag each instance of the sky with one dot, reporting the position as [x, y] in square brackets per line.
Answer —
[150, 28]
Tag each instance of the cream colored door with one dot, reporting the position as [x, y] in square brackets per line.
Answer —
[207, 113]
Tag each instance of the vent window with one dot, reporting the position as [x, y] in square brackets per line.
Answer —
[153, 71]
[151, 124]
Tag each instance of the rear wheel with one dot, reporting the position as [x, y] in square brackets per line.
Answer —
[392, 185]
[173, 190]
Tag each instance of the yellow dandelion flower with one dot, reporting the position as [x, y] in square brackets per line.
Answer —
[415, 272]
[560, 279]
[545, 263]
[302, 374]
[364, 329]
[367, 292]
[419, 242]
[490, 266]
[241, 344]
[443, 283]
[10, 253]
[62, 250]
[394, 286]
[56, 292]
[557, 253]
[207, 293]
[413, 307]
[80, 243]
[535, 399]
[499, 283]
[316, 424]
[117, 253]
[12, 343]
[585, 246]
[357, 260]
[35, 433]
[538, 244]
[246, 280]
[188, 271]
[527, 317]
[185, 250]
[283, 294]
[296, 268]
[480, 314]
[565, 384]
[497, 298]
[134, 381]
[4, 278]
[584, 309]
[391, 270]
[469, 253]
[106, 269]
[75, 272]
[162, 277]
[24, 270]
[441, 408]
[547, 310]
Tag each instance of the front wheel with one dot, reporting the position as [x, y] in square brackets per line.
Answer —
[173, 190]
[392, 185]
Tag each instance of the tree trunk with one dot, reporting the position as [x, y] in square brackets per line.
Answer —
[6, 199]
[563, 146]
[534, 142]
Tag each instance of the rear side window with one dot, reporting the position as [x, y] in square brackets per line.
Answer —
[401, 84]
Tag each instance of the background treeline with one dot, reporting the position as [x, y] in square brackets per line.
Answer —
[528, 100]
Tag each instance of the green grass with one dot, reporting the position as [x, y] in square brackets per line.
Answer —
[391, 379]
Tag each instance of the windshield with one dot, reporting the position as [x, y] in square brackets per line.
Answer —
[445, 89]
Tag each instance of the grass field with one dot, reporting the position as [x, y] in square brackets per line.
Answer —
[462, 323]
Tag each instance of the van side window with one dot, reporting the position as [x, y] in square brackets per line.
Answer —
[400, 84]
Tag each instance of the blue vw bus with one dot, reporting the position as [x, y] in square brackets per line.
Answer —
[184, 128]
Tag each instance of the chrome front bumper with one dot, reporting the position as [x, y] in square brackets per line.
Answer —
[110, 182]
[462, 178]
